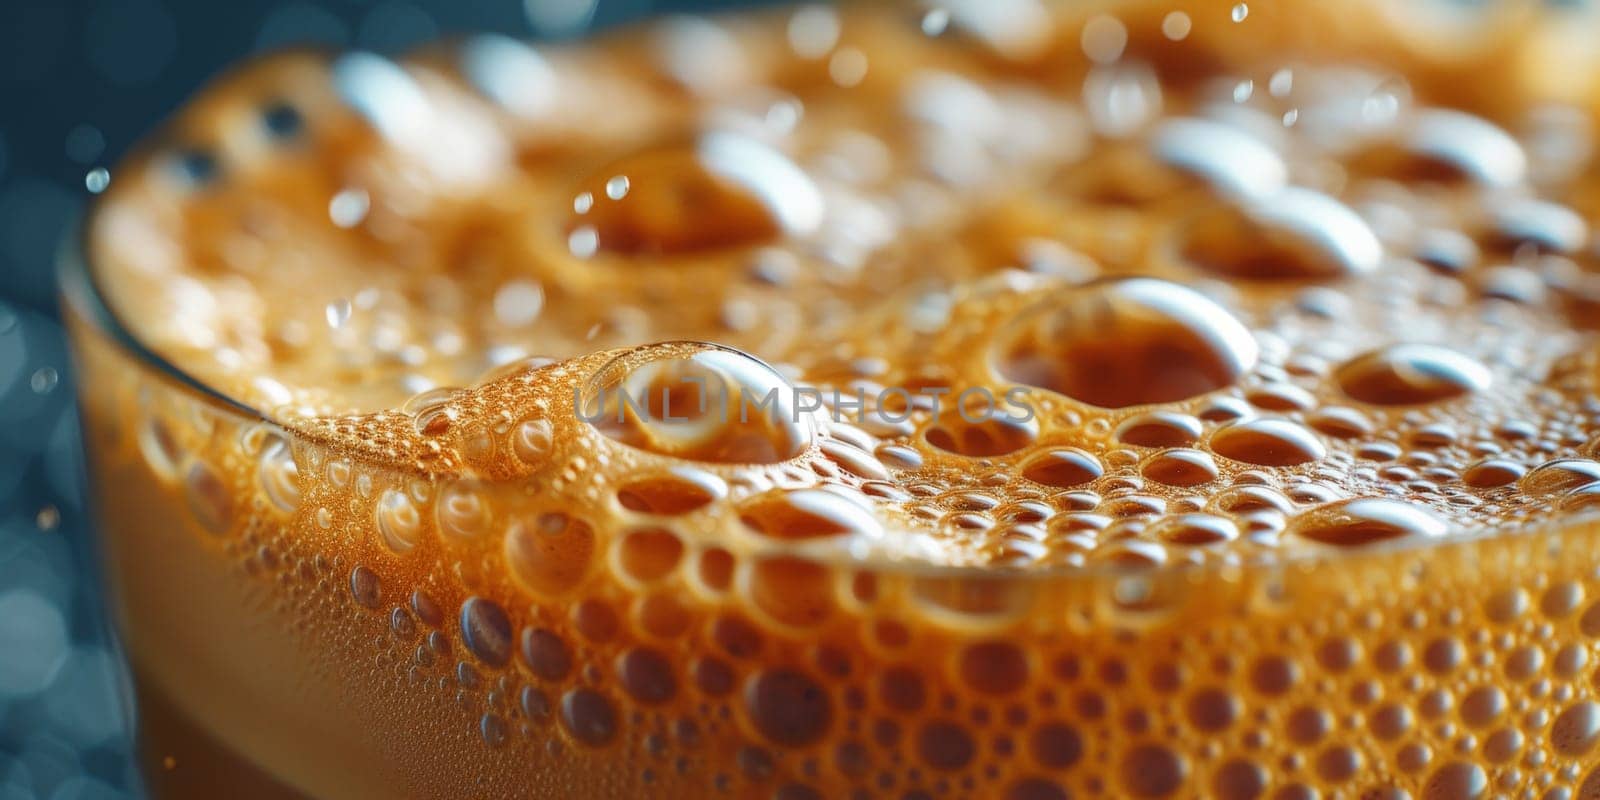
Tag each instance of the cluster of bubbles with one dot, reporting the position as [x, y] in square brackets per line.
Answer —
[1263, 358]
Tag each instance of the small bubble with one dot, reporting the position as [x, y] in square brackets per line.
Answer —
[848, 67]
[582, 203]
[1240, 11]
[1382, 106]
[616, 187]
[1281, 82]
[584, 241]
[44, 380]
[1243, 89]
[934, 22]
[1104, 38]
[338, 313]
[813, 31]
[518, 303]
[1290, 117]
[48, 518]
[349, 207]
[783, 115]
[97, 180]
[1176, 26]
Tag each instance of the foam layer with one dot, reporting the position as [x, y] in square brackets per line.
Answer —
[1261, 334]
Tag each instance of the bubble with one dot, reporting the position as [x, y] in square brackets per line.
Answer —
[365, 587]
[650, 554]
[787, 708]
[546, 654]
[494, 730]
[596, 621]
[1366, 520]
[589, 717]
[1547, 227]
[551, 553]
[1035, 789]
[712, 677]
[1212, 709]
[1176, 26]
[461, 510]
[486, 631]
[399, 522]
[1560, 475]
[617, 187]
[1482, 706]
[279, 474]
[994, 668]
[97, 180]
[1127, 342]
[808, 514]
[646, 676]
[794, 592]
[1153, 770]
[1492, 472]
[945, 745]
[1056, 745]
[1180, 466]
[981, 432]
[1159, 429]
[282, 121]
[1457, 779]
[518, 303]
[1290, 234]
[725, 190]
[1411, 374]
[385, 94]
[854, 460]
[902, 689]
[531, 440]
[1576, 729]
[349, 207]
[210, 500]
[1239, 12]
[848, 67]
[1103, 38]
[338, 312]
[1267, 441]
[1194, 530]
[1063, 467]
[1451, 145]
[1240, 780]
[427, 611]
[697, 401]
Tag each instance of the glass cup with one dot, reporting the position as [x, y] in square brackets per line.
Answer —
[306, 618]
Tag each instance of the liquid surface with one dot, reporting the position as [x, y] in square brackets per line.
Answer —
[709, 314]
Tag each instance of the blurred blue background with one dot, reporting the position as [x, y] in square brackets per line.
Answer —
[80, 81]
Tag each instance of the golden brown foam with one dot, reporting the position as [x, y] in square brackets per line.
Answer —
[1266, 302]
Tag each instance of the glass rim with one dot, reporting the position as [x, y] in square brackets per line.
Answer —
[82, 294]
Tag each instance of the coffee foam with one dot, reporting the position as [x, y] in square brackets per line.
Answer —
[1258, 322]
